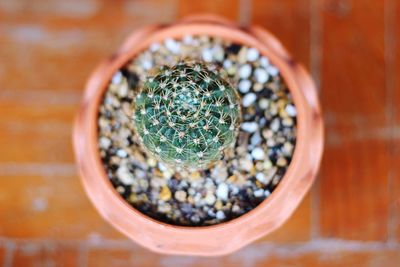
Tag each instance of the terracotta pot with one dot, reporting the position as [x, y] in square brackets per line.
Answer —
[225, 237]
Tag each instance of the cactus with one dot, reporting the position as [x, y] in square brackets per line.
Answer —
[186, 115]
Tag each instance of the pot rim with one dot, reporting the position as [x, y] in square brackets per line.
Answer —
[283, 200]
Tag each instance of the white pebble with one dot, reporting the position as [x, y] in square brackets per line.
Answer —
[275, 124]
[291, 110]
[124, 175]
[249, 99]
[172, 45]
[222, 191]
[187, 39]
[105, 142]
[261, 178]
[220, 215]
[154, 47]
[210, 199]
[263, 103]
[117, 78]
[273, 71]
[244, 86]
[252, 54]
[250, 127]
[245, 71]
[218, 53]
[121, 153]
[258, 153]
[267, 193]
[147, 64]
[259, 193]
[123, 90]
[227, 64]
[207, 55]
[261, 75]
[264, 62]
[255, 139]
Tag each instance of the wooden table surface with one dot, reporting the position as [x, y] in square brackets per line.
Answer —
[352, 48]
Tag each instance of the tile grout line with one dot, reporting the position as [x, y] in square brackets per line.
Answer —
[244, 12]
[43, 169]
[315, 63]
[9, 253]
[389, 51]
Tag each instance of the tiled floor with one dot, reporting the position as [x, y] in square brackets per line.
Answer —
[47, 50]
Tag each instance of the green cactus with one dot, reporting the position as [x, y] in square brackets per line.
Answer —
[186, 115]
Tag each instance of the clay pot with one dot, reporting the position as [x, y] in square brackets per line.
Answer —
[225, 237]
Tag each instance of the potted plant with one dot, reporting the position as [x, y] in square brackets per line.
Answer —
[198, 137]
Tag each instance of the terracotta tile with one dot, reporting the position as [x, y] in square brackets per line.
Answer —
[354, 183]
[289, 21]
[32, 254]
[255, 255]
[394, 109]
[36, 132]
[49, 206]
[2, 253]
[225, 8]
[55, 37]
[296, 229]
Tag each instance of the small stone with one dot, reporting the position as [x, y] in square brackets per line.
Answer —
[207, 55]
[264, 62]
[218, 53]
[258, 87]
[287, 148]
[187, 39]
[259, 193]
[220, 215]
[261, 178]
[250, 127]
[172, 45]
[117, 78]
[123, 90]
[218, 204]
[291, 110]
[165, 193]
[258, 153]
[219, 172]
[255, 140]
[275, 124]
[252, 54]
[235, 208]
[245, 71]
[249, 99]
[281, 162]
[261, 75]
[180, 195]
[152, 162]
[194, 175]
[263, 103]
[164, 208]
[121, 153]
[210, 199]
[227, 64]
[124, 175]
[244, 86]
[273, 71]
[154, 47]
[105, 142]
[120, 189]
[222, 191]
[267, 193]
[246, 164]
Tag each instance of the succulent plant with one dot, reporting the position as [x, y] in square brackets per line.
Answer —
[186, 115]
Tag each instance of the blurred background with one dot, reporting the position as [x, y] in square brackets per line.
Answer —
[48, 48]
